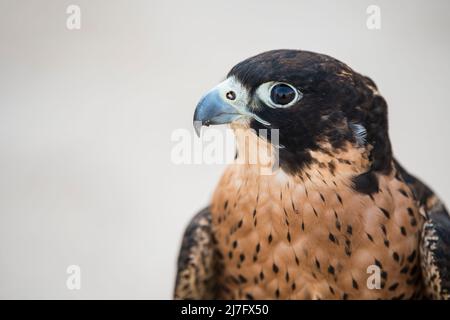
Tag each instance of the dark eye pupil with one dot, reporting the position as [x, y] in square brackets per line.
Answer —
[282, 94]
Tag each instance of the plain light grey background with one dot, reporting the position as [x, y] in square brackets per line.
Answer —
[86, 118]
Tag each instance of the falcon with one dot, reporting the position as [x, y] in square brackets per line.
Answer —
[338, 218]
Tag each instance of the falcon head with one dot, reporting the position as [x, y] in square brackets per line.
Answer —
[315, 101]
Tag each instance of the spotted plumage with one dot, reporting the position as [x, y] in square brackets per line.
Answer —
[335, 204]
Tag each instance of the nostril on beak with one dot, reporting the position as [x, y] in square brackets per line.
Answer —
[231, 95]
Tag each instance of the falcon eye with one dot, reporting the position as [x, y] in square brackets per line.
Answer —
[278, 94]
[282, 94]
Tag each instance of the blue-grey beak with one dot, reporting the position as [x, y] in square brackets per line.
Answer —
[213, 109]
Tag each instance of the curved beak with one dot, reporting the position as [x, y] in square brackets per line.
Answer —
[213, 109]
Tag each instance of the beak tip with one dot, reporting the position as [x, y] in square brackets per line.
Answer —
[198, 127]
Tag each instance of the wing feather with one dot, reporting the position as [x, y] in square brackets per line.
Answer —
[435, 239]
[198, 260]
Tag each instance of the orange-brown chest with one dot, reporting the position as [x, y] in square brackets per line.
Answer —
[314, 237]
